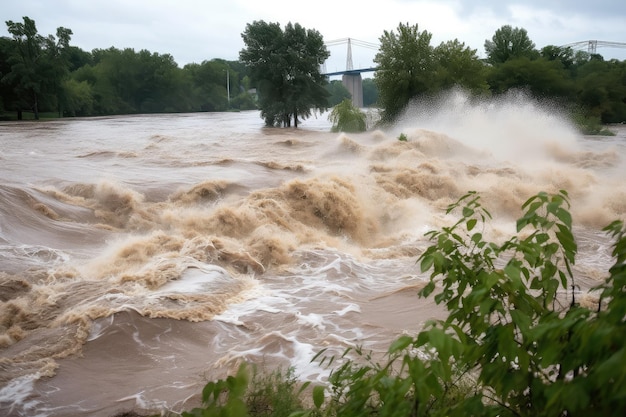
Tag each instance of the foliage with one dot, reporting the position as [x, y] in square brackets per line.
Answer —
[274, 395]
[338, 93]
[542, 77]
[510, 346]
[266, 395]
[224, 397]
[402, 137]
[590, 125]
[347, 118]
[370, 92]
[600, 88]
[38, 66]
[507, 43]
[459, 66]
[405, 68]
[285, 65]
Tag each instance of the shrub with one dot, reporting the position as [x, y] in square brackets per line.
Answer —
[508, 347]
[347, 118]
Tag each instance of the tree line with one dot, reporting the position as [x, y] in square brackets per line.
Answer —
[47, 74]
[410, 67]
[278, 72]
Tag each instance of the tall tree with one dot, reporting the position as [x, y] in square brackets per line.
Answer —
[38, 65]
[458, 65]
[405, 68]
[508, 43]
[285, 66]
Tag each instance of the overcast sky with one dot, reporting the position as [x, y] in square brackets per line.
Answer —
[198, 30]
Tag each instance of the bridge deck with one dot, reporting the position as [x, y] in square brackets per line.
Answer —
[350, 72]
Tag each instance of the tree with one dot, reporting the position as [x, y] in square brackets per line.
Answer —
[565, 55]
[601, 89]
[125, 81]
[370, 92]
[458, 65]
[405, 68]
[541, 77]
[509, 43]
[347, 118]
[209, 84]
[338, 92]
[38, 65]
[285, 66]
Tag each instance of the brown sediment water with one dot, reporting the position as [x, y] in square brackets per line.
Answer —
[141, 256]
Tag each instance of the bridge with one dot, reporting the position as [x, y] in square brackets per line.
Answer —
[350, 77]
[593, 45]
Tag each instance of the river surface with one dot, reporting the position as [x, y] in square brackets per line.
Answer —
[141, 256]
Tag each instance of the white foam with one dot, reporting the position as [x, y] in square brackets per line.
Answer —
[196, 278]
[16, 397]
[347, 309]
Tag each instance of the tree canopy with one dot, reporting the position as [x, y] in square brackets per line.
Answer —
[507, 43]
[37, 64]
[405, 68]
[285, 66]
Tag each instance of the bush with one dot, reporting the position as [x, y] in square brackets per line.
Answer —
[508, 347]
[589, 125]
[347, 118]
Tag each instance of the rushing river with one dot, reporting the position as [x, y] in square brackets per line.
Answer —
[141, 256]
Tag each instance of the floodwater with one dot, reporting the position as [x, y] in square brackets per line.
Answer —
[141, 256]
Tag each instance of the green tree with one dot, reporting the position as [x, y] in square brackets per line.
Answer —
[541, 77]
[370, 92]
[209, 82]
[38, 66]
[7, 90]
[338, 92]
[285, 66]
[125, 81]
[601, 89]
[565, 55]
[347, 118]
[77, 98]
[508, 43]
[405, 68]
[458, 65]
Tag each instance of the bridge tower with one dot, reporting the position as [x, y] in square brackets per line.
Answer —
[353, 82]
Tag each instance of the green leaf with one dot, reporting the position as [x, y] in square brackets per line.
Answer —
[565, 217]
[470, 224]
[318, 396]
[400, 343]
[207, 391]
[427, 262]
